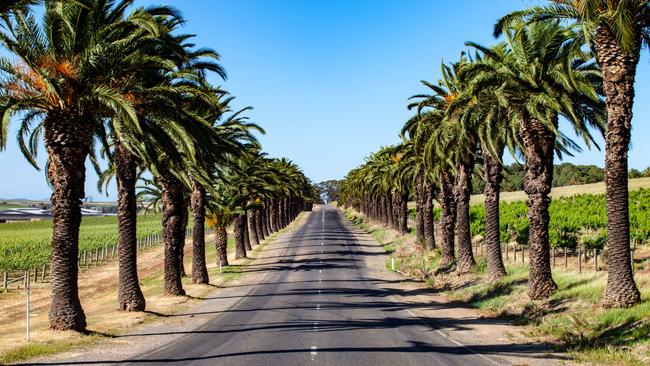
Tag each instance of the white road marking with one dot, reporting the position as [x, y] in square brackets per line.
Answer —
[321, 251]
[314, 352]
[317, 306]
[319, 292]
[321, 243]
[320, 271]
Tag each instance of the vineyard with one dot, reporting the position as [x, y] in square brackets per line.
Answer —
[579, 220]
[25, 245]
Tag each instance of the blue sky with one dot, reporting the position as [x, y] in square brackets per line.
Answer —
[329, 80]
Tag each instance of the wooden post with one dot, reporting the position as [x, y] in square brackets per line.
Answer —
[27, 304]
[43, 273]
[596, 260]
[5, 280]
[507, 250]
[515, 254]
[566, 259]
[523, 254]
[579, 261]
[553, 257]
[35, 274]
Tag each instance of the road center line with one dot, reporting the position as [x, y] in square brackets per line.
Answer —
[314, 351]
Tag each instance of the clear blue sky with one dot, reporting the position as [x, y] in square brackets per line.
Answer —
[330, 79]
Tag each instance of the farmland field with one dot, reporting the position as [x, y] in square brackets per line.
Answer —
[27, 244]
[575, 220]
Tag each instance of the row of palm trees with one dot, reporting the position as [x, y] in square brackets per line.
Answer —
[568, 59]
[102, 78]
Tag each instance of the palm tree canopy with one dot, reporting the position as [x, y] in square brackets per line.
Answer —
[628, 20]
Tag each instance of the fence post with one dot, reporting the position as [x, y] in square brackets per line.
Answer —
[579, 260]
[523, 254]
[27, 304]
[553, 257]
[43, 273]
[596, 260]
[5, 280]
[515, 254]
[35, 274]
[507, 251]
[566, 258]
[392, 263]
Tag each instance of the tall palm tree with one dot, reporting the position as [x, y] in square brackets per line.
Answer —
[545, 74]
[58, 78]
[483, 113]
[431, 110]
[617, 30]
[456, 141]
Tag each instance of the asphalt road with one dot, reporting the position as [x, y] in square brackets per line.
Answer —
[317, 304]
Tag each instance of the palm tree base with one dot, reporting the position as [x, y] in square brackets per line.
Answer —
[619, 296]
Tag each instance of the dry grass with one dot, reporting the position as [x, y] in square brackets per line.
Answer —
[594, 188]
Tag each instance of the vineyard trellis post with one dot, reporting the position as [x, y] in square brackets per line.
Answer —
[27, 289]
[579, 260]
[553, 257]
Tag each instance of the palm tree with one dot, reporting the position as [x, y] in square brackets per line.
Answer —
[544, 74]
[456, 141]
[481, 112]
[431, 111]
[58, 77]
[617, 30]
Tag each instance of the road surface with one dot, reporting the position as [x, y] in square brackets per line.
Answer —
[317, 306]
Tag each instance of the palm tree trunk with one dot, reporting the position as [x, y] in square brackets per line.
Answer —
[129, 294]
[492, 170]
[274, 215]
[538, 143]
[447, 219]
[173, 233]
[239, 227]
[247, 238]
[463, 192]
[401, 211]
[389, 210]
[427, 214]
[221, 245]
[184, 222]
[419, 208]
[199, 269]
[67, 139]
[619, 71]
[257, 214]
[265, 222]
[252, 227]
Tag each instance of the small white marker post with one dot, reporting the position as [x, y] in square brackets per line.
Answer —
[27, 304]
[392, 263]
